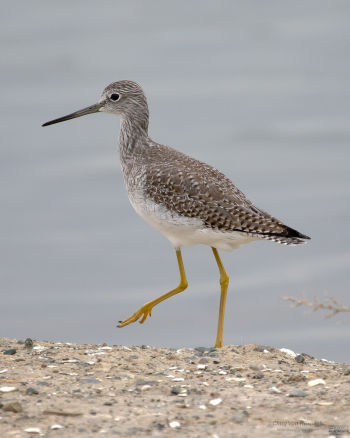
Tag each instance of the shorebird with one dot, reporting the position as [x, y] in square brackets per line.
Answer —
[188, 201]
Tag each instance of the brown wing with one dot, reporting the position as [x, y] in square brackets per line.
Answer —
[194, 189]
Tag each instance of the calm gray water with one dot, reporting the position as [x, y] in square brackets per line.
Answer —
[258, 89]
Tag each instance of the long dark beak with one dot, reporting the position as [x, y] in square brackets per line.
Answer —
[83, 112]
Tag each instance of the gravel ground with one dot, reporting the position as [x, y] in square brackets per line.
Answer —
[72, 390]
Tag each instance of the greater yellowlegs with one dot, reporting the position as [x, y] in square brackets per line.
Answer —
[188, 201]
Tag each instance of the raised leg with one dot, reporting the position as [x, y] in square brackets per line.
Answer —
[224, 279]
[146, 309]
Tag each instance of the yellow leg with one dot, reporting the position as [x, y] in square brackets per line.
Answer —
[146, 309]
[224, 279]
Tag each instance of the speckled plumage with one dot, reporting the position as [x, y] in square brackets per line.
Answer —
[186, 188]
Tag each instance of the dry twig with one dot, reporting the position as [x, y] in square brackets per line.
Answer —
[330, 304]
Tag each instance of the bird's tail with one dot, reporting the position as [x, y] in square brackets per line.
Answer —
[288, 236]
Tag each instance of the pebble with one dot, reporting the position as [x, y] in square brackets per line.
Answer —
[215, 401]
[204, 360]
[28, 343]
[297, 393]
[13, 407]
[90, 380]
[174, 424]
[275, 390]
[299, 358]
[316, 382]
[201, 349]
[262, 348]
[288, 351]
[10, 351]
[32, 391]
[258, 375]
[201, 366]
[56, 426]
[33, 430]
[43, 383]
[146, 382]
[175, 390]
[7, 388]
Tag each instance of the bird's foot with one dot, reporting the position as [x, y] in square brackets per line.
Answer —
[142, 313]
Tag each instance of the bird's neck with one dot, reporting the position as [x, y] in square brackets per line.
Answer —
[133, 132]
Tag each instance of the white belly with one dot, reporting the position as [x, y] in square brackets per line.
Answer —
[183, 231]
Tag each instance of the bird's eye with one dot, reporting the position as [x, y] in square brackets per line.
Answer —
[114, 97]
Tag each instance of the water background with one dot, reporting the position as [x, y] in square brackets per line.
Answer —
[258, 89]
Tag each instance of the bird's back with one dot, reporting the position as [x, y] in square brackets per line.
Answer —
[191, 189]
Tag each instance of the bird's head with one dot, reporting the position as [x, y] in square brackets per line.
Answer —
[124, 98]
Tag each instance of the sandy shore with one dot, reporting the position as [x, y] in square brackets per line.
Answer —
[70, 390]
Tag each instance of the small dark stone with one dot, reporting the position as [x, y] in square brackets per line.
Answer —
[108, 403]
[299, 358]
[146, 382]
[160, 426]
[216, 362]
[10, 351]
[32, 391]
[92, 412]
[175, 390]
[297, 393]
[347, 372]
[261, 348]
[307, 355]
[90, 380]
[201, 349]
[258, 375]
[28, 343]
[20, 342]
[203, 360]
[43, 383]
